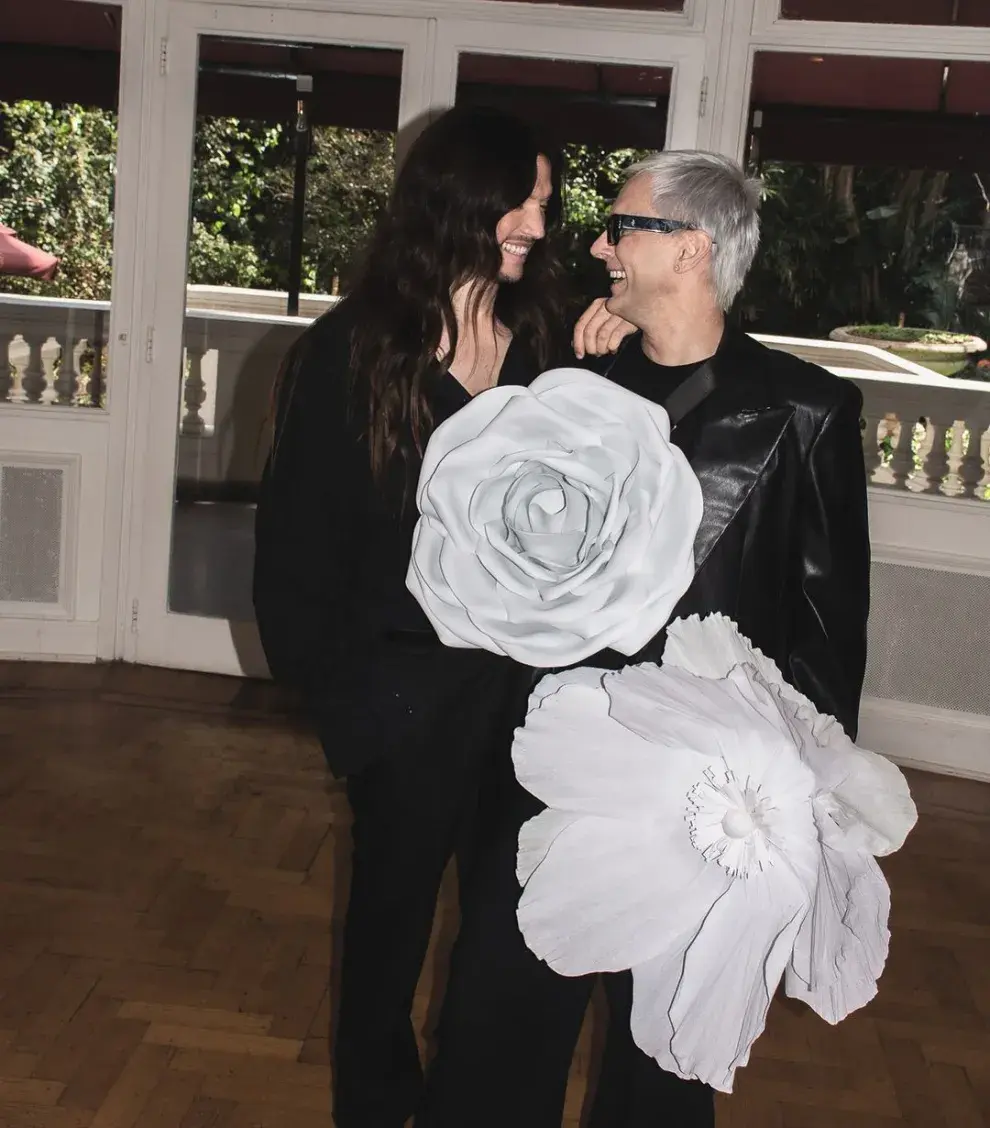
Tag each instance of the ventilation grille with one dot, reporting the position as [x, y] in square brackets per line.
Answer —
[32, 511]
[928, 638]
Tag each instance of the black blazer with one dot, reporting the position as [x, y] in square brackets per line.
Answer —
[331, 553]
[784, 544]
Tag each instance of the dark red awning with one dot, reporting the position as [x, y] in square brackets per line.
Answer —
[23, 259]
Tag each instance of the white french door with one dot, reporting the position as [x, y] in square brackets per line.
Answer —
[237, 85]
[579, 68]
[219, 312]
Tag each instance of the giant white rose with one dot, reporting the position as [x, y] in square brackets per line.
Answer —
[708, 829]
[556, 520]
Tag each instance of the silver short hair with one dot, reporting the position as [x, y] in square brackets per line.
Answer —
[713, 193]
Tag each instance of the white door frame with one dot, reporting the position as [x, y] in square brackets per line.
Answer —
[656, 44]
[152, 634]
[756, 25]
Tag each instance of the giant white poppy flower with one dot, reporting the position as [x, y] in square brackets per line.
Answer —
[708, 829]
[556, 520]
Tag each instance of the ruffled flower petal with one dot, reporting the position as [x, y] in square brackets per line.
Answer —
[730, 971]
[611, 894]
[571, 755]
[841, 948]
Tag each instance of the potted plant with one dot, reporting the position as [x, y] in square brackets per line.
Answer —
[944, 352]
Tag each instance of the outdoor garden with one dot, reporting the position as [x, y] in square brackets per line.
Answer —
[888, 256]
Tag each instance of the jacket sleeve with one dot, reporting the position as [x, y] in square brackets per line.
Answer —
[828, 649]
[305, 522]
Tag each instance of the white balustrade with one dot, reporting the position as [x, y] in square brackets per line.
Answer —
[43, 342]
[922, 433]
[935, 428]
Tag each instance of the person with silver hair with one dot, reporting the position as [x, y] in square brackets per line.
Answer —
[783, 549]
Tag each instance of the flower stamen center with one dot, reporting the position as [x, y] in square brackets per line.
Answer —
[728, 823]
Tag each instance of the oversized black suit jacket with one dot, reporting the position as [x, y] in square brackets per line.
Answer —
[332, 548]
[784, 547]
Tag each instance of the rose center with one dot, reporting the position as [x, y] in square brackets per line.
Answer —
[550, 501]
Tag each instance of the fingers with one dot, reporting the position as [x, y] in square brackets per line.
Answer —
[586, 329]
[620, 329]
[599, 332]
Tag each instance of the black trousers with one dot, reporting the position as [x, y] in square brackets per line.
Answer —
[510, 1024]
[413, 810]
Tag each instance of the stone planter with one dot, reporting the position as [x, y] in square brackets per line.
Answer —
[945, 353]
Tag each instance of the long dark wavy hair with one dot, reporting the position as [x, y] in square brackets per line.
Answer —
[463, 174]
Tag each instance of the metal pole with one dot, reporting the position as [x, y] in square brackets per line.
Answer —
[302, 136]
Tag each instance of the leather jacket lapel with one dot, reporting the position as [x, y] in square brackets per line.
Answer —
[729, 439]
[729, 452]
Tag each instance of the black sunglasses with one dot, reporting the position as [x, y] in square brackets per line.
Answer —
[616, 224]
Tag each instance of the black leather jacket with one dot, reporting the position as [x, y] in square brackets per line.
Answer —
[784, 544]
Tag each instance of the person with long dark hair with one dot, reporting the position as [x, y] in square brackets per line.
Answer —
[460, 291]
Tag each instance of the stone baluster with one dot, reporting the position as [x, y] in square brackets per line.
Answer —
[67, 380]
[902, 456]
[34, 379]
[935, 466]
[6, 368]
[871, 443]
[972, 469]
[953, 485]
[193, 392]
[95, 383]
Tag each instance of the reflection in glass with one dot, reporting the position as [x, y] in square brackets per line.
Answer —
[875, 207]
[293, 159]
[965, 13]
[59, 66]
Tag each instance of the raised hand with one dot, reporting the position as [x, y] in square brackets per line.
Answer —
[599, 332]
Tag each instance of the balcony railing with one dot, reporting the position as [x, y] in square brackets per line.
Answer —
[922, 432]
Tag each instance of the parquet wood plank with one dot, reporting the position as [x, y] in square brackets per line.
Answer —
[128, 1096]
[281, 1073]
[29, 1090]
[108, 1052]
[173, 873]
[226, 1041]
[208, 1112]
[205, 1018]
[41, 1116]
[170, 1100]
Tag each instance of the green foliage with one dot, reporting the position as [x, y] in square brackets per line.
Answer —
[593, 178]
[57, 168]
[233, 164]
[843, 245]
[912, 336]
[839, 245]
[348, 178]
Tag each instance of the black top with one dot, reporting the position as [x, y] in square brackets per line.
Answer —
[332, 550]
[633, 369]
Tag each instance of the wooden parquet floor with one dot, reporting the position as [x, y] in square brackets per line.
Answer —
[172, 873]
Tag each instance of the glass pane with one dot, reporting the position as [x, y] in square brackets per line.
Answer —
[59, 66]
[966, 13]
[294, 157]
[875, 208]
[603, 116]
[643, 5]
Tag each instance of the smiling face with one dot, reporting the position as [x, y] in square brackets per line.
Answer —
[641, 264]
[519, 230]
